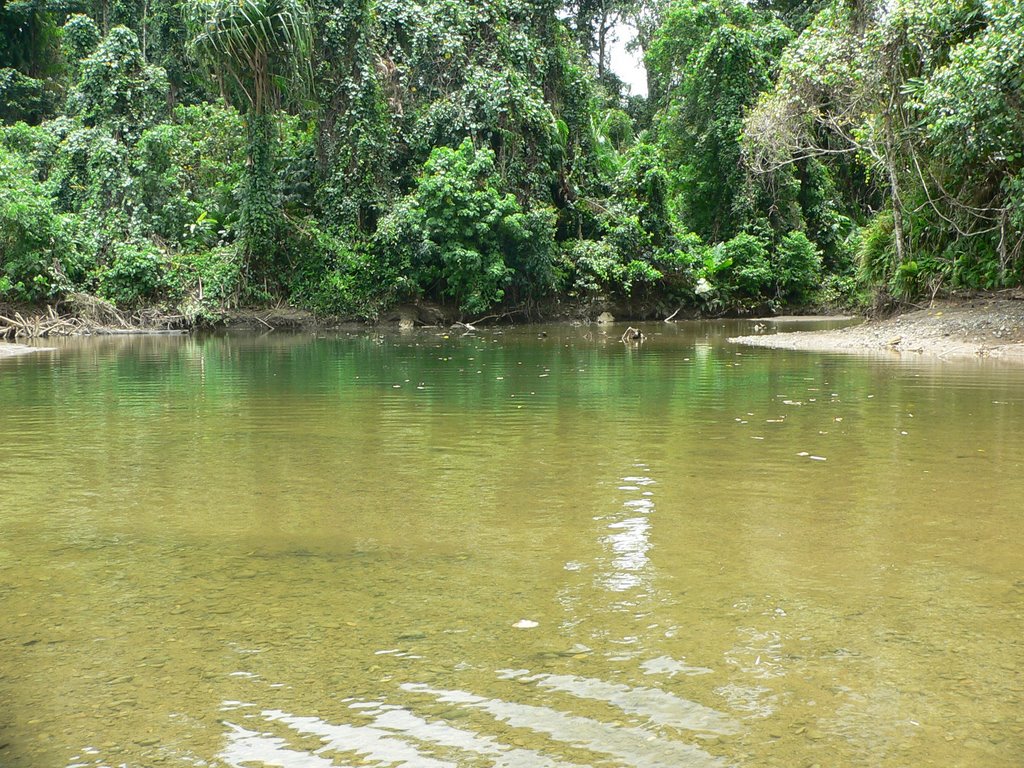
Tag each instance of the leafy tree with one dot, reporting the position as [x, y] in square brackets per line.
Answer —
[39, 255]
[118, 91]
[797, 268]
[910, 98]
[595, 22]
[80, 36]
[713, 58]
[256, 47]
[460, 234]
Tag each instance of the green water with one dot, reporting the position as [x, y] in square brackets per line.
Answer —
[311, 552]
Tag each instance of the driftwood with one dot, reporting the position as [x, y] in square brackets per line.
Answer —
[470, 327]
[88, 315]
[633, 336]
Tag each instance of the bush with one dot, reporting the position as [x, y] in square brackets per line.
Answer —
[529, 242]
[186, 174]
[205, 284]
[640, 275]
[797, 268]
[592, 268]
[36, 145]
[627, 235]
[747, 269]
[136, 273]
[90, 173]
[841, 292]
[643, 187]
[334, 276]
[39, 256]
[460, 235]
[680, 266]
[877, 250]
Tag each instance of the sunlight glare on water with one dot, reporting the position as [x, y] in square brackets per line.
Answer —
[508, 549]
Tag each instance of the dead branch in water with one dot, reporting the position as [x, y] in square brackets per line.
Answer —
[632, 336]
[497, 317]
[89, 315]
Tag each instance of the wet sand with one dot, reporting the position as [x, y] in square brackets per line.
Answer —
[992, 328]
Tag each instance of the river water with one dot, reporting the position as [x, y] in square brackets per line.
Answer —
[520, 547]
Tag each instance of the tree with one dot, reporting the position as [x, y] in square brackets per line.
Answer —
[463, 237]
[711, 58]
[595, 21]
[118, 90]
[255, 48]
[925, 98]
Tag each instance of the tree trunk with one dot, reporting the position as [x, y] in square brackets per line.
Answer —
[891, 157]
[259, 215]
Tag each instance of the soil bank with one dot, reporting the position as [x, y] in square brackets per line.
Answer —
[950, 328]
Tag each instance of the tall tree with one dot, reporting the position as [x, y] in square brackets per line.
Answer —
[256, 48]
[711, 59]
[595, 22]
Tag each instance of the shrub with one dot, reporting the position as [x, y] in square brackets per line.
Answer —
[797, 268]
[460, 235]
[36, 145]
[529, 242]
[206, 283]
[639, 275]
[877, 250]
[186, 176]
[749, 272]
[335, 276]
[135, 273]
[592, 268]
[39, 256]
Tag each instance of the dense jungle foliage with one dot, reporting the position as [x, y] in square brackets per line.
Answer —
[349, 155]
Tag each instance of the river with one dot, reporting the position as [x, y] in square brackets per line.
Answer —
[520, 547]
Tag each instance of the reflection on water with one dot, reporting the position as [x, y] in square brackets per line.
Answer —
[393, 734]
[629, 539]
[654, 704]
[505, 550]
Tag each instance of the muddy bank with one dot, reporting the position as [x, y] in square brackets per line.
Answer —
[951, 329]
[11, 350]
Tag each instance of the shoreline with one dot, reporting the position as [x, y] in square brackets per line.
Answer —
[10, 349]
[951, 329]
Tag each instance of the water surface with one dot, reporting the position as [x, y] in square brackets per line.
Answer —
[508, 549]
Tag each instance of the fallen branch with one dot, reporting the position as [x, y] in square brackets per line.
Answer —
[90, 315]
[633, 335]
[497, 317]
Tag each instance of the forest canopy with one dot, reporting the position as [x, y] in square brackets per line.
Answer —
[350, 155]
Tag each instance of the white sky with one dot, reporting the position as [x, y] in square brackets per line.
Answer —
[628, 65]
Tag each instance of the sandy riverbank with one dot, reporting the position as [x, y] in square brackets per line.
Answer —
[948, 329]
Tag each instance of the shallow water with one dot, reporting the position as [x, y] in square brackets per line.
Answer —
[508, 550]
